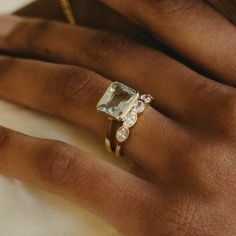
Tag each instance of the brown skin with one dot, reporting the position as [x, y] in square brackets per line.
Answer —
[89, 13]
[185, 144]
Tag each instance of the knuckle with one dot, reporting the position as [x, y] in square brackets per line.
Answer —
[106, 45]
[35, 33]
[76, 84]
[78, 87]
[173, 7]
[58, 163]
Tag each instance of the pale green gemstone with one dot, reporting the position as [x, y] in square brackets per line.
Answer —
[118, 100]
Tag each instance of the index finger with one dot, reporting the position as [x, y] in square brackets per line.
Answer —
[192, 28]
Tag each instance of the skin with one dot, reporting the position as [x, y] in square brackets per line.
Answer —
[184, 146]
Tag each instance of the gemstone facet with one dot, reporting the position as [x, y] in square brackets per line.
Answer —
[122, 134]
[147, 98]
[117, 100]
[130, 120]
[139, 106]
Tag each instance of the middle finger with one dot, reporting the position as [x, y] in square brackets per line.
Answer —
[174, 86]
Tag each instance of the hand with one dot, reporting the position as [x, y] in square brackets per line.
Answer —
[96, 14]
[185, 144]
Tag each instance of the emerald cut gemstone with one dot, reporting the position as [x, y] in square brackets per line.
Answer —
[118, 100]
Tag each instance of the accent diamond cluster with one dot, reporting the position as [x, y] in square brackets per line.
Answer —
[131, 118]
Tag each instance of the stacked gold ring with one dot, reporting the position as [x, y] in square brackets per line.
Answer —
[68, 11]
[122, 105]
[129, 108]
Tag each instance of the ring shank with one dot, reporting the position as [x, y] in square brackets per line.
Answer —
[110, 143]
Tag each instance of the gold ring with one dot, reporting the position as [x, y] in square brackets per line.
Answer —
[121, 104]
[68, 11]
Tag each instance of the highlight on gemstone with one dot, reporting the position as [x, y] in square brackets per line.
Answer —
[118, 100]
[139, 106]
[130, 120]
[147, 98]
[122, 134]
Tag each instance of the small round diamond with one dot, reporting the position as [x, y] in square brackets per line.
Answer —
[139, 106]
[147, 98]
[130, 120]
[122, 134]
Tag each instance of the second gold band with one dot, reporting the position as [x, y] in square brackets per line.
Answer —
[117, 133]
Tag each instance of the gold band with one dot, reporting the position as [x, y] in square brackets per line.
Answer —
[68, 11]
[118, 150]
[111, 144]
[122, 105]
[110, 134]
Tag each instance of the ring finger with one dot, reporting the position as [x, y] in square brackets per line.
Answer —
[72, 93]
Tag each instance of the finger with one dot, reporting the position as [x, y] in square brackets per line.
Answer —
[72, 93]
[89, 13]
[119, 59]
[61, 169]
[192, 28]
[64, 91]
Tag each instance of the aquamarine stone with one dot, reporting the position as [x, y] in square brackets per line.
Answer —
[117, 100]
